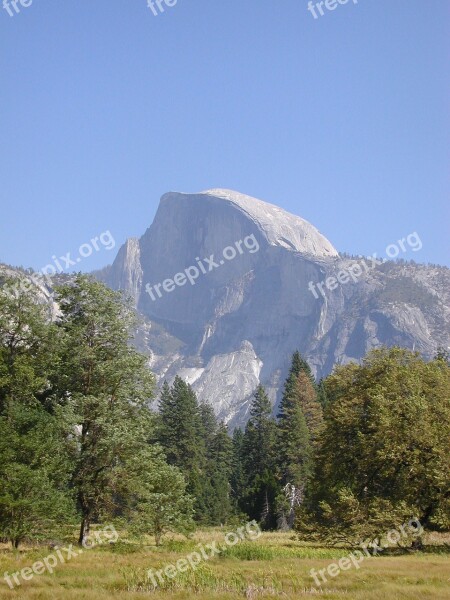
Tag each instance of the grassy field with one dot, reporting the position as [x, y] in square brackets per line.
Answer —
[275, 565]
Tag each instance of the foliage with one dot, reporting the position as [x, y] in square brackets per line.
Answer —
[356, 455]
[109, 387]
[201, 448]
[299, 425]
[384, 452]
[258, 459]
[35, 498]
[159, 502]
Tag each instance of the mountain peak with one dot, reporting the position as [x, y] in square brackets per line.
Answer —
[237, 322]
[278, 226]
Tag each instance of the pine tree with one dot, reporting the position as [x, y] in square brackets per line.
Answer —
[298, 365]
[299, 425]
[294, 450]
[183, 430]
[166, 430]
[306, 394]
[322, 395]
[237, 480]
[220, 465]
[259, 433]
[209, 425]
[259, 461]
[35, 497]
[34, 463]
[298, 422]
[180, 428]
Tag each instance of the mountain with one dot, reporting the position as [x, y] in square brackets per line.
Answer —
[228, 288]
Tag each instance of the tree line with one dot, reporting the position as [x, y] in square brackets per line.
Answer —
[80, 441]
[360, 453]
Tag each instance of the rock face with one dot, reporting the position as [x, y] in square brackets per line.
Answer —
[223, 282]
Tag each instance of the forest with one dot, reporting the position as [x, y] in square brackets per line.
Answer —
[86, 439]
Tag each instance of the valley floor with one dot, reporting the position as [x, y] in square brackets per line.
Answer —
[275, 565]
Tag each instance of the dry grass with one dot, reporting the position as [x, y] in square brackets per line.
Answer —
[275, 565]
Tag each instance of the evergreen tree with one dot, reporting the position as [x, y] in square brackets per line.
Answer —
[299, 424]
[180, 428]
[322, 395]
[294, 448]
[35, 499]
[259, 461]
[298, 365]
[195, 443]
[183, 432]
[306, 395]
[34, 466]
[443, 354]
[221, 460]
[217, 473]
[209, 425]
[299, 421]
[166, 428]
[237, 480]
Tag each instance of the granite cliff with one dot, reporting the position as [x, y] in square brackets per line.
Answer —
[237, 323]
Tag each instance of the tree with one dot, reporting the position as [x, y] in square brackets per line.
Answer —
[322, 395]
[237, 478]
[443, 354]
[220, 465]
[298, 365]
[383, 457]
[166, 433]
[75, 422]
[181, 433]
[299, 424]
[306, 395]
[200, 447]
[294, 449]
[27, 346]
[34, 468]
[109, 387]
[258, 448]
[35, 499]
[159, 502]
[179, 428]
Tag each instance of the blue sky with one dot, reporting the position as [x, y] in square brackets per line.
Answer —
[342, 120]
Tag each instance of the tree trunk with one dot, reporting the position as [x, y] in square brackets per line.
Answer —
[266, 508]
[84, 530]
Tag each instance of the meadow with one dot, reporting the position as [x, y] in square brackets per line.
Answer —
[274, 565]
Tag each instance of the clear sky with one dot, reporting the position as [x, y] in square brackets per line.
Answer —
[343, 120]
